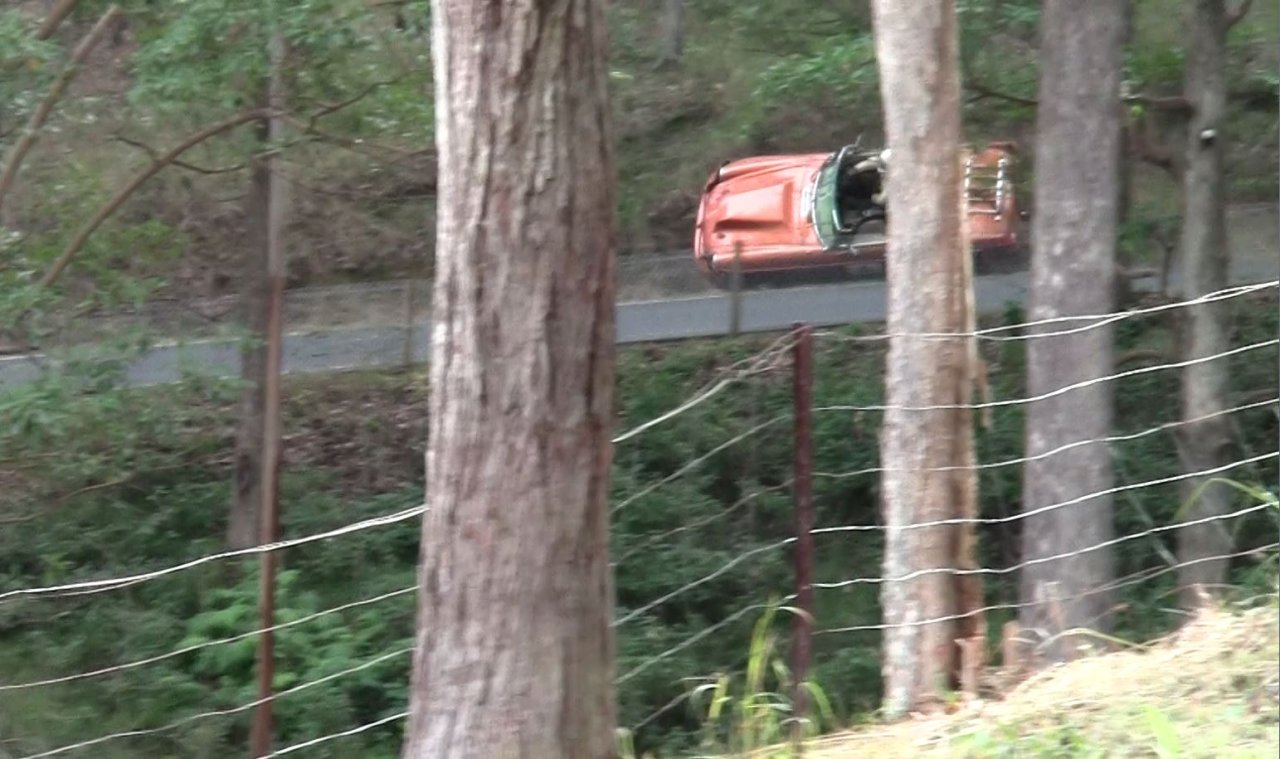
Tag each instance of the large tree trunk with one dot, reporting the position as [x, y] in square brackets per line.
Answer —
[242, 527]
[514, 645]
[1205, 262]
[916, 47]
[1073, 273]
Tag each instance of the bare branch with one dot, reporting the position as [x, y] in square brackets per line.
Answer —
[1138, 272]
[19, 520]
[981, 92]
[1237, 14]
[59, 86]
[332, 108]
[1141, 355]
[111, 206]
[1172, 104]
[55, 19]
[151, 152]
[359, 146]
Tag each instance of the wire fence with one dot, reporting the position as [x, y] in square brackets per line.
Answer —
[705, 538]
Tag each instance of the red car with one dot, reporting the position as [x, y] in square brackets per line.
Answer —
[826, 212]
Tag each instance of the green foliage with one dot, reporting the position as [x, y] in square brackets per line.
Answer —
[1167, 745]
[26, 64]
[113, 268]
[153, 471]
[219, 48]
[102, 481]
[336, 54]
[754, 719]
[1008, 742]
[841, 70]
[322, 647]
[1009, 67]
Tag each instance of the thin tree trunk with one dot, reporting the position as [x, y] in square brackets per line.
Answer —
[1073, 273]
[1205, 263]
[916, 47]
[673, 12]
[264, 268]
[514, 654]
[54, 16]
[258, 438]
[244, 520]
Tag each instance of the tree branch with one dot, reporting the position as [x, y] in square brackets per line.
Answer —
[1236, 15]
[170, 158]
[981, 91]
[151, 153]
[1171, 103]
[19, 520]
[1140, 355]
[55, 19]
[346, 142]
[112, 205]
[42, 112]
[332, 108]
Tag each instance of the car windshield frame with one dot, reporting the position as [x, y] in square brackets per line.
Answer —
[822, 203]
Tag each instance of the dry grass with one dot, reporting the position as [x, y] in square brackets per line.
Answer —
[1208, 691]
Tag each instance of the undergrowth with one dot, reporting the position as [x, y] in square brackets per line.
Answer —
[99, 480]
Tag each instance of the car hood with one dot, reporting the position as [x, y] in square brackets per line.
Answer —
[759, 202]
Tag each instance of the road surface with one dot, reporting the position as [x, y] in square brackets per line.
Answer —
[637, 322]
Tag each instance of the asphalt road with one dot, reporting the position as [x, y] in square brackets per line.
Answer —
[637, 322]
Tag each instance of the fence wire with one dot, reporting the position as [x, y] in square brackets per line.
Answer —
[720, 526]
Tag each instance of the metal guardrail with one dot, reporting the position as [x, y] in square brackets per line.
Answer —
[390, 346]
[399, 341]
[389, 303]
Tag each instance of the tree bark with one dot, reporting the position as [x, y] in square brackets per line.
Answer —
[244, 519]
[264, 273]
[514, 654]
[916, 46]
[1124, 190]
[673, 12]
[54, 18]
[1205, 444]
[1072, 273]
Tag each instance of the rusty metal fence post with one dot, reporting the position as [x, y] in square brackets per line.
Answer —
[263, 726]
[802, 636]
